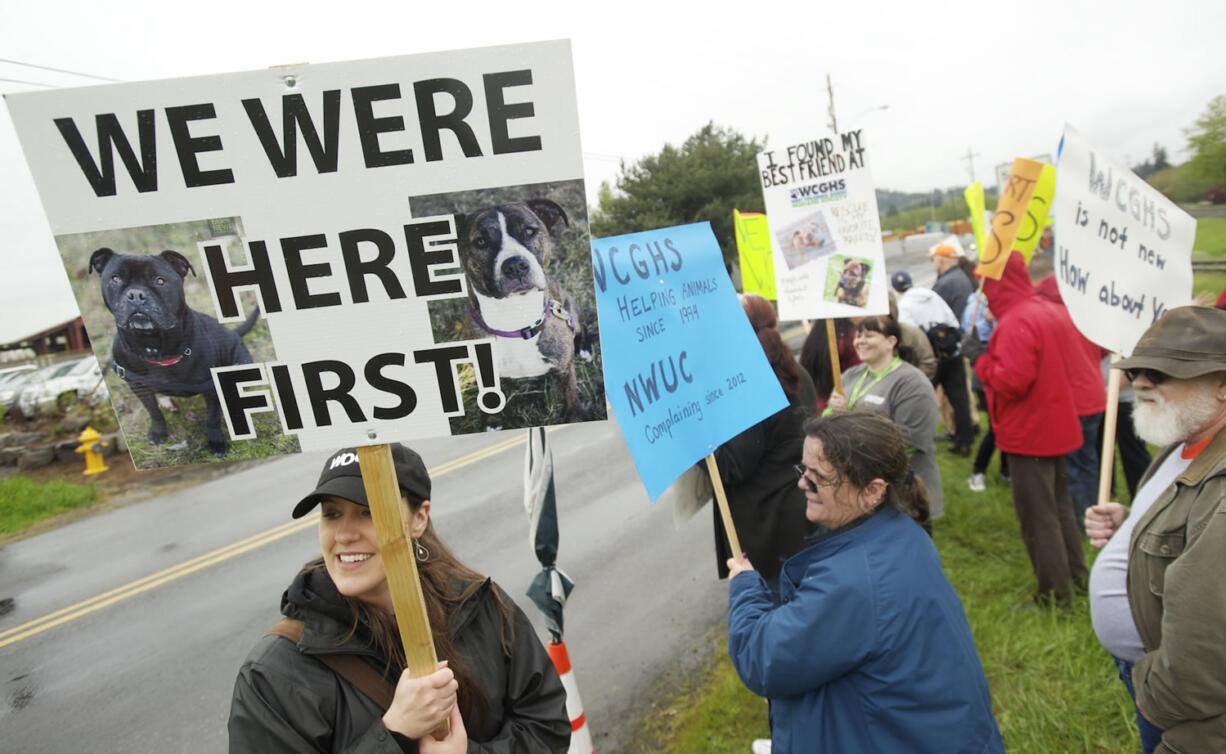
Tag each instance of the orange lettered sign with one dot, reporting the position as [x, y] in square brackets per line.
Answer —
[1010, 212]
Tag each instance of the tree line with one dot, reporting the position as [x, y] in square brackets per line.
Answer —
[715, 171]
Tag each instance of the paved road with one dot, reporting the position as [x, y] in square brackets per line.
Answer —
[147, 666]
[162, 599]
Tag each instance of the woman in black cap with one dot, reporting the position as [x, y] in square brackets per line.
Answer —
[495, 683]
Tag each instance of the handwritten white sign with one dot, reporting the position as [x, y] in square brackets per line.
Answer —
[1123, 250]
[825, 231]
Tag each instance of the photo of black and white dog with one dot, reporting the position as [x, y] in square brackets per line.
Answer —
[526, 260]
[505, 251]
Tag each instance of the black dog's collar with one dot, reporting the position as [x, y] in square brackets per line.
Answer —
[169, 362]
[552, 306]
[160, 386]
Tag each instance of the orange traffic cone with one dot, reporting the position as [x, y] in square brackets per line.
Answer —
[580, 736]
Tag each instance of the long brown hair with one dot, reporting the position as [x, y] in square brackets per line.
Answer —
[441, 573]
[815, 355]
[762, 316]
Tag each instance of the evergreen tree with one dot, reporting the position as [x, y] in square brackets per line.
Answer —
[1207, 142]
[712, 173]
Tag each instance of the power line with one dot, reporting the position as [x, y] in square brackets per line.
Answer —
[49, 68]
[22, 81]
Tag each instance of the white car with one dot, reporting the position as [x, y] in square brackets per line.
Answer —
[55, 387]
[12, 382]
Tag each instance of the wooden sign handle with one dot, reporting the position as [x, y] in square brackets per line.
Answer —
[832, 341]
[399, 563]
[724, 512]
[1107, 458]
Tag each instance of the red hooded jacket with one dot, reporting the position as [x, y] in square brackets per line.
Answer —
[1085, 378]
[1025, 371]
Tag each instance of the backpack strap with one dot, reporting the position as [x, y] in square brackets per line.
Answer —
[350, 667]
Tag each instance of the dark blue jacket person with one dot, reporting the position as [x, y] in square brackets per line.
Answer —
[869, 649]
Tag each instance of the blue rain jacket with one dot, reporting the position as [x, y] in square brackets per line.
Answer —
[869, 649]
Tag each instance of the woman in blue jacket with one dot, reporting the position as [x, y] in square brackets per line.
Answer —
[869, 648]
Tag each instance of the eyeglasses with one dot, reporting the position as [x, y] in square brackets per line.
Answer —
[811, 485]
[1153, 375]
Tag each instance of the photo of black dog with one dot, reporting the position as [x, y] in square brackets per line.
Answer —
[162, 346]
[852, 287]
[505, 251]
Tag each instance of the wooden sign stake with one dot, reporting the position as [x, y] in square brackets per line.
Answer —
[724, 512]
[832, 341]
[1107, 458]
[399, 563]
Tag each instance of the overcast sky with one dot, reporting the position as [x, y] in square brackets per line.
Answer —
[951, 77]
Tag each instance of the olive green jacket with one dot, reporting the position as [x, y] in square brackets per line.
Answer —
[1177, 592]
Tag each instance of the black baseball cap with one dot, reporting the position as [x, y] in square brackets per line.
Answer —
[901, 281]
[341, 477]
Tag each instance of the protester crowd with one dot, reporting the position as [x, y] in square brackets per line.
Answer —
[811, 637]
[840, 613]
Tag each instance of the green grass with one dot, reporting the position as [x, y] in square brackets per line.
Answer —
[23, 502]
[1211, 236]
[1053, 687]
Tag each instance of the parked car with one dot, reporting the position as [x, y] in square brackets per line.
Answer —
[11, 385]
[7, 373]
[56, 387]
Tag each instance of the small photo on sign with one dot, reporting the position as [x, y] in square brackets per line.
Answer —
[848, 280]
[526, 257]
[806, 239]
[151, 323]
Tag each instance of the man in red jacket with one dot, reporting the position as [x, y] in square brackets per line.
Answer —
[1090, 399]
[1025, 373]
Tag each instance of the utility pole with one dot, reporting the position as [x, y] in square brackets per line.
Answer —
[970, 162]
[834, 124]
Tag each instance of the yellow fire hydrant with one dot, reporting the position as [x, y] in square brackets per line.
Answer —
[92, 450]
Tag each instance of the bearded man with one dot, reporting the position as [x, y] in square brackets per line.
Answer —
[1157, 599]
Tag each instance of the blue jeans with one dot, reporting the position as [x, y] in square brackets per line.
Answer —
[1151, 735]
[1082, 465]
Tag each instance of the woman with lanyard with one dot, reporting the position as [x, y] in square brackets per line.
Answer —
[885, 383]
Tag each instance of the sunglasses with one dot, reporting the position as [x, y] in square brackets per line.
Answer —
[1153, 375]
[810, 485]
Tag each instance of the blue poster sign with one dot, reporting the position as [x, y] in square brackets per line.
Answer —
[683, 369]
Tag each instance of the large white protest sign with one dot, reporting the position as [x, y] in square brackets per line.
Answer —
[1123, 250]
[825, 232]
[327, 255]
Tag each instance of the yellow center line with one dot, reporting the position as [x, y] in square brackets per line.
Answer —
[87, 606]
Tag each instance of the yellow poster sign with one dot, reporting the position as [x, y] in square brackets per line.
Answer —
[1007, 222]
[974, 202]
[753, 245]
[1036, 213]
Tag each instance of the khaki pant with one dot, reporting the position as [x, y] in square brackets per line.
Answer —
[1051, 535]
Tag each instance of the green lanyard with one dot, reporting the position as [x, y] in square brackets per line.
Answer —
[857, 393]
